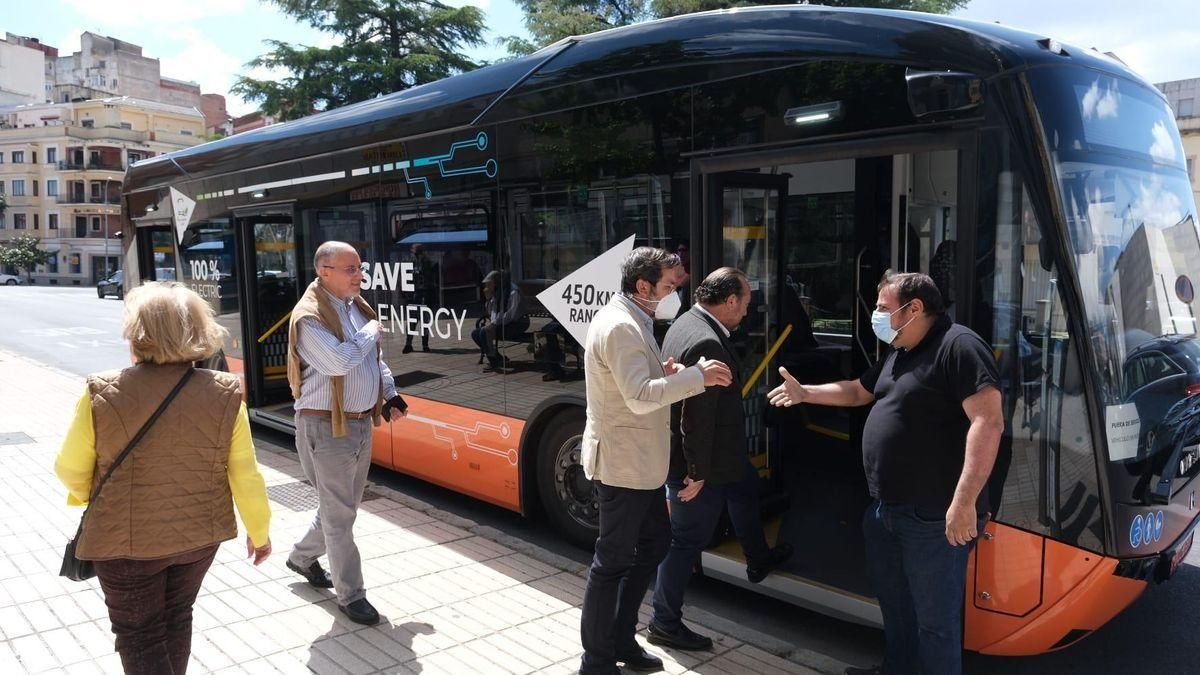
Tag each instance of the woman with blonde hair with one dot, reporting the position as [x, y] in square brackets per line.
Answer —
[154, 526]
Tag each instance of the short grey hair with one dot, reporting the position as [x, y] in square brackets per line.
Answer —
[328, 250]
[645, 263]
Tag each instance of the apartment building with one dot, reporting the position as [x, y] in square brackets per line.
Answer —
[61, 167]
[1184, 98]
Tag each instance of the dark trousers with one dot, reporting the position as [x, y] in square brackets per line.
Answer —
[486, 336]
[150, 608]
[692, 525]
[920, 579]
[634, 535]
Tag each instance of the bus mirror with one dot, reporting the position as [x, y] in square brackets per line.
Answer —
[940, 91]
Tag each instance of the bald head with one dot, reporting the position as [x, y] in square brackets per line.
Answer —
[326, 252]
[338, 268]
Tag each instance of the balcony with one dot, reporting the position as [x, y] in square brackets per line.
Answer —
[81, 199]
[91, 166]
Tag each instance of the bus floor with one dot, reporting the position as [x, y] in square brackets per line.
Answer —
[823, 523]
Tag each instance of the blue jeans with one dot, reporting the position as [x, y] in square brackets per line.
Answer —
[692, 525]
[920, 579]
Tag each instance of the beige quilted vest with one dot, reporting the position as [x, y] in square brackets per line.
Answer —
[171, 494]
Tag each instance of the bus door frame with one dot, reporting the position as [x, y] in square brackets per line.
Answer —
[247, 286]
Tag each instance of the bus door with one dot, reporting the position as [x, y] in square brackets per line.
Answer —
[743, 218]
[271, 287]
[815, 232]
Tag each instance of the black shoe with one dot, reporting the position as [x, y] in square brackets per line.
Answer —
[778, 555]
[854, 670]
[407, 349]
[639, 659]
[684, 638]
[317, 577]
[360, 611]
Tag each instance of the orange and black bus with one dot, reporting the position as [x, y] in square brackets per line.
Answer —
[1041, 185]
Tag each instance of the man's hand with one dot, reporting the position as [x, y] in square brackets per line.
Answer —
[789, 393]
[670, 367]
[394, 405]
[259, 554]
[961, 525]
[691, 488]
[716, 374]
[370, 329]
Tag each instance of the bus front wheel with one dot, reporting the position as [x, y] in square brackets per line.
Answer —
[567, 494]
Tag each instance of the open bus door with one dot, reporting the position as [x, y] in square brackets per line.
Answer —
[815, 231]
[270, 283]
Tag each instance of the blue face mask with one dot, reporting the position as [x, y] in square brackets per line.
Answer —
[881, 323]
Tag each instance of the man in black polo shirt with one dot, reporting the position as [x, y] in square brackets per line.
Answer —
[928, 447]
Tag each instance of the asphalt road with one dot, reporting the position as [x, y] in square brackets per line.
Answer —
[71, 329]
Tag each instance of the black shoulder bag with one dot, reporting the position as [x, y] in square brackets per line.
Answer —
[80, 570]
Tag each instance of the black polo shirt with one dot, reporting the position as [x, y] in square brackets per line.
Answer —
[915, 437]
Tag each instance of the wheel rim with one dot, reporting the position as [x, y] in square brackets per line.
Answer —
[574, 489]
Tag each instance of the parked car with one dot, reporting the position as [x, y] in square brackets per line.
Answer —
[11, 279]
[113, 285]
[1158, 374]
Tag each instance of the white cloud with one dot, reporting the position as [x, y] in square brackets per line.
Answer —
[125, 14]
[1163, 148]
[200, 60]
[1102, 106]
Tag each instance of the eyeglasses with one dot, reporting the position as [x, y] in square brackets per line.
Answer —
[353, 269]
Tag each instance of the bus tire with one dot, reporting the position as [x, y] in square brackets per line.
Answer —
[566, 494]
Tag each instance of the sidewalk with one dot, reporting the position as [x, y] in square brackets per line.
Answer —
[456, 597]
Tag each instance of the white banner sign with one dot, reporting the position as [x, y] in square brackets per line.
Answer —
[1124, 430]
[575, 299]
[182, 207]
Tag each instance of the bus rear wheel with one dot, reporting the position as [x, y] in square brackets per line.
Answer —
[567, 494]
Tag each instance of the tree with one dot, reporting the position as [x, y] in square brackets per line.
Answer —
[551, 20]
[3, 202]
[385, 46]
[22, 252]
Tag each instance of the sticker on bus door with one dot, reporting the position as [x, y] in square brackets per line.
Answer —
[182, 207]
[1124, 430]
[575, 299]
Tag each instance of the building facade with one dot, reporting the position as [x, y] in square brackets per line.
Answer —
[1184, 97]
[22, 74]
[61, 168]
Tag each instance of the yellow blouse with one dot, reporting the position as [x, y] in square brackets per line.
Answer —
[76, 462]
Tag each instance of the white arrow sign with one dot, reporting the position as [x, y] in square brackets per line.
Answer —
[575, 299]
[181, 209]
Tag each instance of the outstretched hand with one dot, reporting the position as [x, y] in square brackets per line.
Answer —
[789, 393]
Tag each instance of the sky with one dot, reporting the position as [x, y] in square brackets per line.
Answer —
[210, 41]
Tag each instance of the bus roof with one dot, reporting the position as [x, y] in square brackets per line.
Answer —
[747, 38]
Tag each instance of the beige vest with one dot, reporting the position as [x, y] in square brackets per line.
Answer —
[171, 494]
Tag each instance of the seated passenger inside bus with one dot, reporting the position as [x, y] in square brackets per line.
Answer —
[505, 316]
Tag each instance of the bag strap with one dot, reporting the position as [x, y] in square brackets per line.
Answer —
[137, 437]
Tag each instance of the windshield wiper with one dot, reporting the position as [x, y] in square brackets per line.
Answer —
[1184, 424]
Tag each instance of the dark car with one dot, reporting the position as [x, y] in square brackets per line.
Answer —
[1159, 373]
[113, 285]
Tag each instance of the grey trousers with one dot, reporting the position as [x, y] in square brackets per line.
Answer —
[337, 468]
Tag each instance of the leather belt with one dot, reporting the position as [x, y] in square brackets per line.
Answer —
[325, 413]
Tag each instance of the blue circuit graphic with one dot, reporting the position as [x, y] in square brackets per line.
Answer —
[480, 142]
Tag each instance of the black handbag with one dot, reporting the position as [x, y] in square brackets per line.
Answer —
[81, 570]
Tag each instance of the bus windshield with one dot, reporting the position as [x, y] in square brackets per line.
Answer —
[1131, 228]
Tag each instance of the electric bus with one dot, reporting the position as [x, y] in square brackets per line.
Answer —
[1043, 187]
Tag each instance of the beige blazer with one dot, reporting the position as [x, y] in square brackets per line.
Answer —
[627, 436]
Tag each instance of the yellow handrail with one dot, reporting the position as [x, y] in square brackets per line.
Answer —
[787, 330]
[262, 338]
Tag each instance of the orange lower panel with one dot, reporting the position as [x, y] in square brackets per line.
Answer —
[469, 451]
[1007, 615]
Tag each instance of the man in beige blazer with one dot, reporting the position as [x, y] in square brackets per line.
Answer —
[627, 450]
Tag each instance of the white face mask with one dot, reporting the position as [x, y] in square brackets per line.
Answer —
[881, 324]
[666, 307]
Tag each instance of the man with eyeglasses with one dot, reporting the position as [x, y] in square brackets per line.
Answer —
[342, 389]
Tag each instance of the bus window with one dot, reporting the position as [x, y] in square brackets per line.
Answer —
[206, 258]
[1045, 476]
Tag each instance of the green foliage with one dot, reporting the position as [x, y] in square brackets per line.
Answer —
[551, 20]
[383, 46]
[3, 203]
[22, 252]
